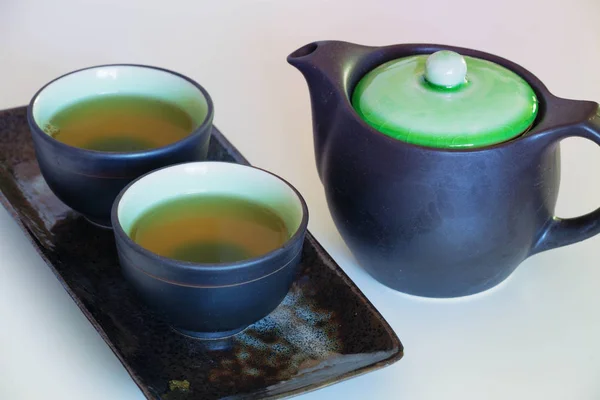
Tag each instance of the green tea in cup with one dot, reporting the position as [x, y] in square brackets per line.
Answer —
[210, 229]
[120, 108]
[120, 123]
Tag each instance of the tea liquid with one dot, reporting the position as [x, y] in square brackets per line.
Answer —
[209, 229]
[120, 123]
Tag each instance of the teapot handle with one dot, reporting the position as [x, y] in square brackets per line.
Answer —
[565, 231]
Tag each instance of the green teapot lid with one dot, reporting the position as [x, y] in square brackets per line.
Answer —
[445, 100]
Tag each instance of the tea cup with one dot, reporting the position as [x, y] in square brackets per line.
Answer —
[88, 180]
[210, 300]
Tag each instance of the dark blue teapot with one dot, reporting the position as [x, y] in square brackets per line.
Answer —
[441, 165]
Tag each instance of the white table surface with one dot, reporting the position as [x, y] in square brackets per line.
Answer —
[533, 337]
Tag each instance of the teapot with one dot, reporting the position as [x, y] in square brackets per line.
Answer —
[440, 164]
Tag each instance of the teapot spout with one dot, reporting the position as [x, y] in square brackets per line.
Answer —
[298, 57]
[329, 68]
[329, 59]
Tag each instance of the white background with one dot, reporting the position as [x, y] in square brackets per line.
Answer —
[533, 337]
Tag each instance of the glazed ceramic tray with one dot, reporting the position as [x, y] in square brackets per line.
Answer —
[324, 331]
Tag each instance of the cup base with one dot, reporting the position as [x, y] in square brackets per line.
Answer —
[210, 335]
[100, 223]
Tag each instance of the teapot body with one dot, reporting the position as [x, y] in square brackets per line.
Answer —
[437, 223]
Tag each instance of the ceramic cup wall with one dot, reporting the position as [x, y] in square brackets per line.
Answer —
[88, 181]
[210, 300]
[430, 221]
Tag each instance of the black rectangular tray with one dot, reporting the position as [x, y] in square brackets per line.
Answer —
[324, 331]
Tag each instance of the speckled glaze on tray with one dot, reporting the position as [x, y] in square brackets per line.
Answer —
[324, 331]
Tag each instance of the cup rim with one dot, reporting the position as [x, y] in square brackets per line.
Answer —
[119, 154]
[188, 266]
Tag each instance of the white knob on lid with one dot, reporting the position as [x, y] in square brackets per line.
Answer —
[446, 68]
